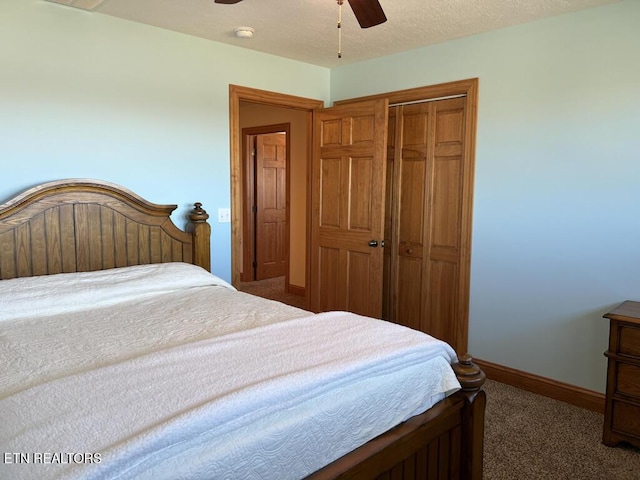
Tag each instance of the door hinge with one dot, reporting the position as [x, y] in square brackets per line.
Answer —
[255, 264]
[254, 209]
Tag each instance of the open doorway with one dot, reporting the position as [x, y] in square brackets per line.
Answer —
[251, 111]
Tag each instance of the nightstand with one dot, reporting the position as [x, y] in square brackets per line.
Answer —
[622, 407]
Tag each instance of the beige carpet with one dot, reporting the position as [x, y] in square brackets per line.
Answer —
[529, 436]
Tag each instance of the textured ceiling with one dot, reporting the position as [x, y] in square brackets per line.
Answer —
[306, 30]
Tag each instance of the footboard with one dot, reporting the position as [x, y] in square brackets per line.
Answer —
[445, 442]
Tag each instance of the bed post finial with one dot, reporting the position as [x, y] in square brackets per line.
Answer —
[198, 214]
[201, 231]
[470, 376]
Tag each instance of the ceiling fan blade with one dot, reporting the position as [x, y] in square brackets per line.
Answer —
[227, 2]
[368, 12]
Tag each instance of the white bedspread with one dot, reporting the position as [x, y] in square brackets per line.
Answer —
[168, 372]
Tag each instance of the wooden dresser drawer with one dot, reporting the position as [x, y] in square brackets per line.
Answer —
[622, 402]
[626, 418]
[629, 341]
[628, 380]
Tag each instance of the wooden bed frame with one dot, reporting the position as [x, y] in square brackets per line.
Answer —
[83, 225]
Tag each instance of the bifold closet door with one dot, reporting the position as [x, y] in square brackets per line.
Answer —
[425, 218]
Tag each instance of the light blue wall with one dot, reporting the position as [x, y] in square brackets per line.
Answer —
[556, 237]
[88, 95]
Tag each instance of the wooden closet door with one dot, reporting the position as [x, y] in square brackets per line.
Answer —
[429, 179]
[348, 184]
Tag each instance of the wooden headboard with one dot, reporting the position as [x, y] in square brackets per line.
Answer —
[81, 225]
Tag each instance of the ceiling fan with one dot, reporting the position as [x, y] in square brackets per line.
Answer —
[369, 13]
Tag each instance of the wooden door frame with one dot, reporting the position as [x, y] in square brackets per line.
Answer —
[468, 88]
[239, 94]
[248, 184]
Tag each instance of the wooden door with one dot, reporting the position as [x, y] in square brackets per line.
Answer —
[348, 185]
[429, 178]
[271, 198]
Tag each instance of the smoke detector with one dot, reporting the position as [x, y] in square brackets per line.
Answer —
[244, 32]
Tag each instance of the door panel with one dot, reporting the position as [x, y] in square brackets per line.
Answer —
[412, 197]
[348, 184]
[361, 276]
[271, 212]
[360, 193]
[331, 188]
[446, 201]
[442, 306]
[409, 312]
[329, 284]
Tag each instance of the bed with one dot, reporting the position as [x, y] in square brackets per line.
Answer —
[134, 361]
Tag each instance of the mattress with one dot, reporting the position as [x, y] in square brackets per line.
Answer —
[166, 371]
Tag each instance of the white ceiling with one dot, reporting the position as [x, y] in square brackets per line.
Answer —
[306, 30]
